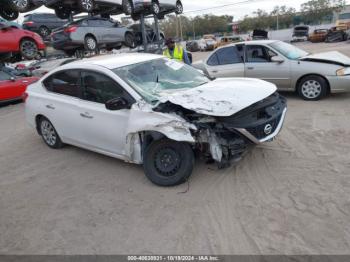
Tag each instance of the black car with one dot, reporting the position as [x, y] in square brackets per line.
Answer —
[259, 34]
[42, 23]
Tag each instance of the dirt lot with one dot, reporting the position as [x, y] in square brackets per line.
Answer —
[290, 196]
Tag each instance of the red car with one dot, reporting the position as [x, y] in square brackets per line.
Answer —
[19, 41]
[13, 88]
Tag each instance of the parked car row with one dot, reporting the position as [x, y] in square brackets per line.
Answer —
[64, 8]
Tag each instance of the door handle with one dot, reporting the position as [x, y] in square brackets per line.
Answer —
[50, 107]
[214, 71]
[250, 68]
[86, 115]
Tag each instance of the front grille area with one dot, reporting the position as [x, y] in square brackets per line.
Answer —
[259, 131]
[256, 118]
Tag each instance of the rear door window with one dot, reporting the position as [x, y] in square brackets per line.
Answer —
[228, 55]
[64, 82]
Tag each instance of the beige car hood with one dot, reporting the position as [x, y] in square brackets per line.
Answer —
[332, 57]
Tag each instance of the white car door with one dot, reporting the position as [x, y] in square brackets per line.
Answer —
[259, 65]
[225, 62]
[60, 104]
[103, 130]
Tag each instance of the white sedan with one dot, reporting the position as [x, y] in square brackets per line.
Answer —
[147, 109]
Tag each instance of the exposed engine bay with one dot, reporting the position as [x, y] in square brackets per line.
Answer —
[225, 139]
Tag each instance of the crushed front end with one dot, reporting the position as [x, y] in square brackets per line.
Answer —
[225, 139]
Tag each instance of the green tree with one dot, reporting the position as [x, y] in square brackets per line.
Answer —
[315, 11]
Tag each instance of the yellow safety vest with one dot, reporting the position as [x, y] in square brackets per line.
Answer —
[177, 55]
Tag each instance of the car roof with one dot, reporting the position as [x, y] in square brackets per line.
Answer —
[254, 42]
[115, 61]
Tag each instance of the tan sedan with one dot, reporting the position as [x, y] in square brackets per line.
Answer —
[312, 75]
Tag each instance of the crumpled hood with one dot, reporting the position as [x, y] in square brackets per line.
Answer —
[222, 97]
[332, 57]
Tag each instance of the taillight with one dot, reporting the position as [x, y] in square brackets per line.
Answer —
[24, 96]
[28, 23]
[70, 29]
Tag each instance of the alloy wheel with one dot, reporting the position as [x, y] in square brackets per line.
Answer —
[87, 5]
[48, 132]
[91, 43]
[21, 4]
[179, 8]
[29, 49]
[44, 31]
[311, 89]
[156, 8]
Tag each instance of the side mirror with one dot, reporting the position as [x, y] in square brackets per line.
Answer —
[277, 59]
[118, 103]
[12, 79]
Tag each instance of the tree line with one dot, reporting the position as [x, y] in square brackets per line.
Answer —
[311, 12]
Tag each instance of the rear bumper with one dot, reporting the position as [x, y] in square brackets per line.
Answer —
[339, 84]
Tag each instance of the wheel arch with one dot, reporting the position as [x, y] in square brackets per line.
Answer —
[92, 35]
[25, 38]
[312, 74]
[37, 121]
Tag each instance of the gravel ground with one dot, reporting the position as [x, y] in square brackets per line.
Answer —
[290, 196]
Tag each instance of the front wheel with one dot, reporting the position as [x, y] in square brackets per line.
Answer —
[168, 163]
[49, 134]
[44, 31]
[312, 88]
[179, 8]
[28, 49]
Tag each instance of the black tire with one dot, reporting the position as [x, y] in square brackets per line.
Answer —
[179, 8]
[28, 49]
[44, 31]
[9, 14]
[70, 52]
[49, 133]
[21, 6]
[168, 163]
[130, 40]
[90, 43]
[135, 17]
[312, 88]
[86, 5]
[155, 8]
[128, 7]
[62, 12]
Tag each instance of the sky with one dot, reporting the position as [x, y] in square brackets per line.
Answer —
[238, 11]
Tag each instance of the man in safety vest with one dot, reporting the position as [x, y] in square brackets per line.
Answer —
[175, 51]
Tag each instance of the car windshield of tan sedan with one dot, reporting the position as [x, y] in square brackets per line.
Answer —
[289, 51]
[154, 78]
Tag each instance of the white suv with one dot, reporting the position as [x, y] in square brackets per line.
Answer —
[147, 109]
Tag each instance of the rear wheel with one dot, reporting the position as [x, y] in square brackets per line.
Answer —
[90, 43]
[49, 134]
[9, 14]
[312, 88]
[28, 49]
[168, 163]
[86, 5]
[130, 40]
[44, 31]
[179, 8]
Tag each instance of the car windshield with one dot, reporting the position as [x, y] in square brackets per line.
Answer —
[288, 50]
[155, 78]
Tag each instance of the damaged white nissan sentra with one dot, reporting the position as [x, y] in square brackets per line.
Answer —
[149, 110]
